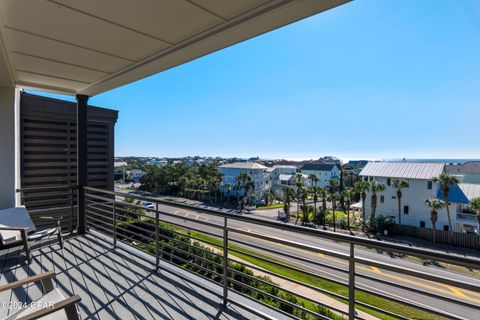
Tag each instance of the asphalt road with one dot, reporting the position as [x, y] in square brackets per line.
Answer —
[298, 257]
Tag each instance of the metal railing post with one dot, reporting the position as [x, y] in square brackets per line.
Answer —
[157, 222]
[114, 223]
[351, 283]
[225, 262]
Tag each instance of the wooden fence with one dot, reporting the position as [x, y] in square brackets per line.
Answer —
[460, 239]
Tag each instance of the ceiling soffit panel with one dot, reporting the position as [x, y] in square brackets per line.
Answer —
[28, 44]
[228, 9]
[264, 18]
[92, 46]
[166, 20]
[50, 20]
[47, 67]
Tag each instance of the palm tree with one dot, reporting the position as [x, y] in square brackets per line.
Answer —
[314, 181]
[241, 180]
[248, 187]
[303, 197]
[347, 196]
[288, 195]
[475, 204]
[216, 181]
[375, 187]
[333, 197]
[228, 189]
[435, 205]
[268, 197]
[399, 185]
[323, 193]
[362, 188]
[445, 181]
[299, 183]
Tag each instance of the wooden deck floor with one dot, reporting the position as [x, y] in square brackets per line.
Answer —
[113, 284]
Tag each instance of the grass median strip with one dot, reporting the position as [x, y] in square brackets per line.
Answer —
[370, 299]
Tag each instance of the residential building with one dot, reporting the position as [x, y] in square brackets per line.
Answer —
[158, 162]
[258, 172]
[469, 170]
[136, 174]
[357, 163]
[281, 177]
[324, 172]
[414, 210]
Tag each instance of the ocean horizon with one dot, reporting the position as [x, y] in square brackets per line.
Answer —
[459, 161]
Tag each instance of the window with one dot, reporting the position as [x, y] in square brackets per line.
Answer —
[429, 185]
[382, 199]
[371, 178]
[389, 182]
[422, 224]
[445, 228]
[405, 209]
[365, 179]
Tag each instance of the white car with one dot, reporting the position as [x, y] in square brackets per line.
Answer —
[148, 205]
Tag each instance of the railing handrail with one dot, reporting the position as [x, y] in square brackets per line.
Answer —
[115, 206]
[400, 248]
[71, 206]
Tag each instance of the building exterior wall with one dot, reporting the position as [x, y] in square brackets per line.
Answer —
[260, 178]
[324, 177]
[414, 197]
[7, 147]
[276, 184]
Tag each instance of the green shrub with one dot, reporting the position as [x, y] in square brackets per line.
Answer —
[196, 257]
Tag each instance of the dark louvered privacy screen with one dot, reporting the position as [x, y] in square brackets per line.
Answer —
[48, 155]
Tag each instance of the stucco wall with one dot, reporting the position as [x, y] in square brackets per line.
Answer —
[414, 197]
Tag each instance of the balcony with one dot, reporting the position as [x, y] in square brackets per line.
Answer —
[175, 261]
[118, 283]
[467, 217]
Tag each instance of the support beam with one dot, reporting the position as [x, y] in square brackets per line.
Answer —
[7, 147]
[82, 107]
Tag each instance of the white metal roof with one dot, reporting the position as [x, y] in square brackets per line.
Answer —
[286, 177]
[119, 164]
[91, 46]
[405, 170]
[470, 190]
[244, 165]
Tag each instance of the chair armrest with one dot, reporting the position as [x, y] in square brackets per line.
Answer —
[40, 313]
[35, 278]
[50, 218]
[13, 228]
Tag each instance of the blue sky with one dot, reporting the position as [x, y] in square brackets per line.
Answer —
[372, 79]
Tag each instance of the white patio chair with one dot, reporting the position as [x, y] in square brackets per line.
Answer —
[17, 229]
[53, 305]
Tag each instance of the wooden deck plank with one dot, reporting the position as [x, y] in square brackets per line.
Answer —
[113, 284]
[107, 275]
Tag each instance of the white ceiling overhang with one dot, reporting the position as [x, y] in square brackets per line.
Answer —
[92, 46]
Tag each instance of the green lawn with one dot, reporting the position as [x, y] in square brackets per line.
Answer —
[272, 206]
[324, 284]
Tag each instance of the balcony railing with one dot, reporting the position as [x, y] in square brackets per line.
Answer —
[108, 212]
[467, 217]
[55, 201]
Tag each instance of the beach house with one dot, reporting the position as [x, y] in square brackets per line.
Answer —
[257, 172]
[413, 210]
[324, 172]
